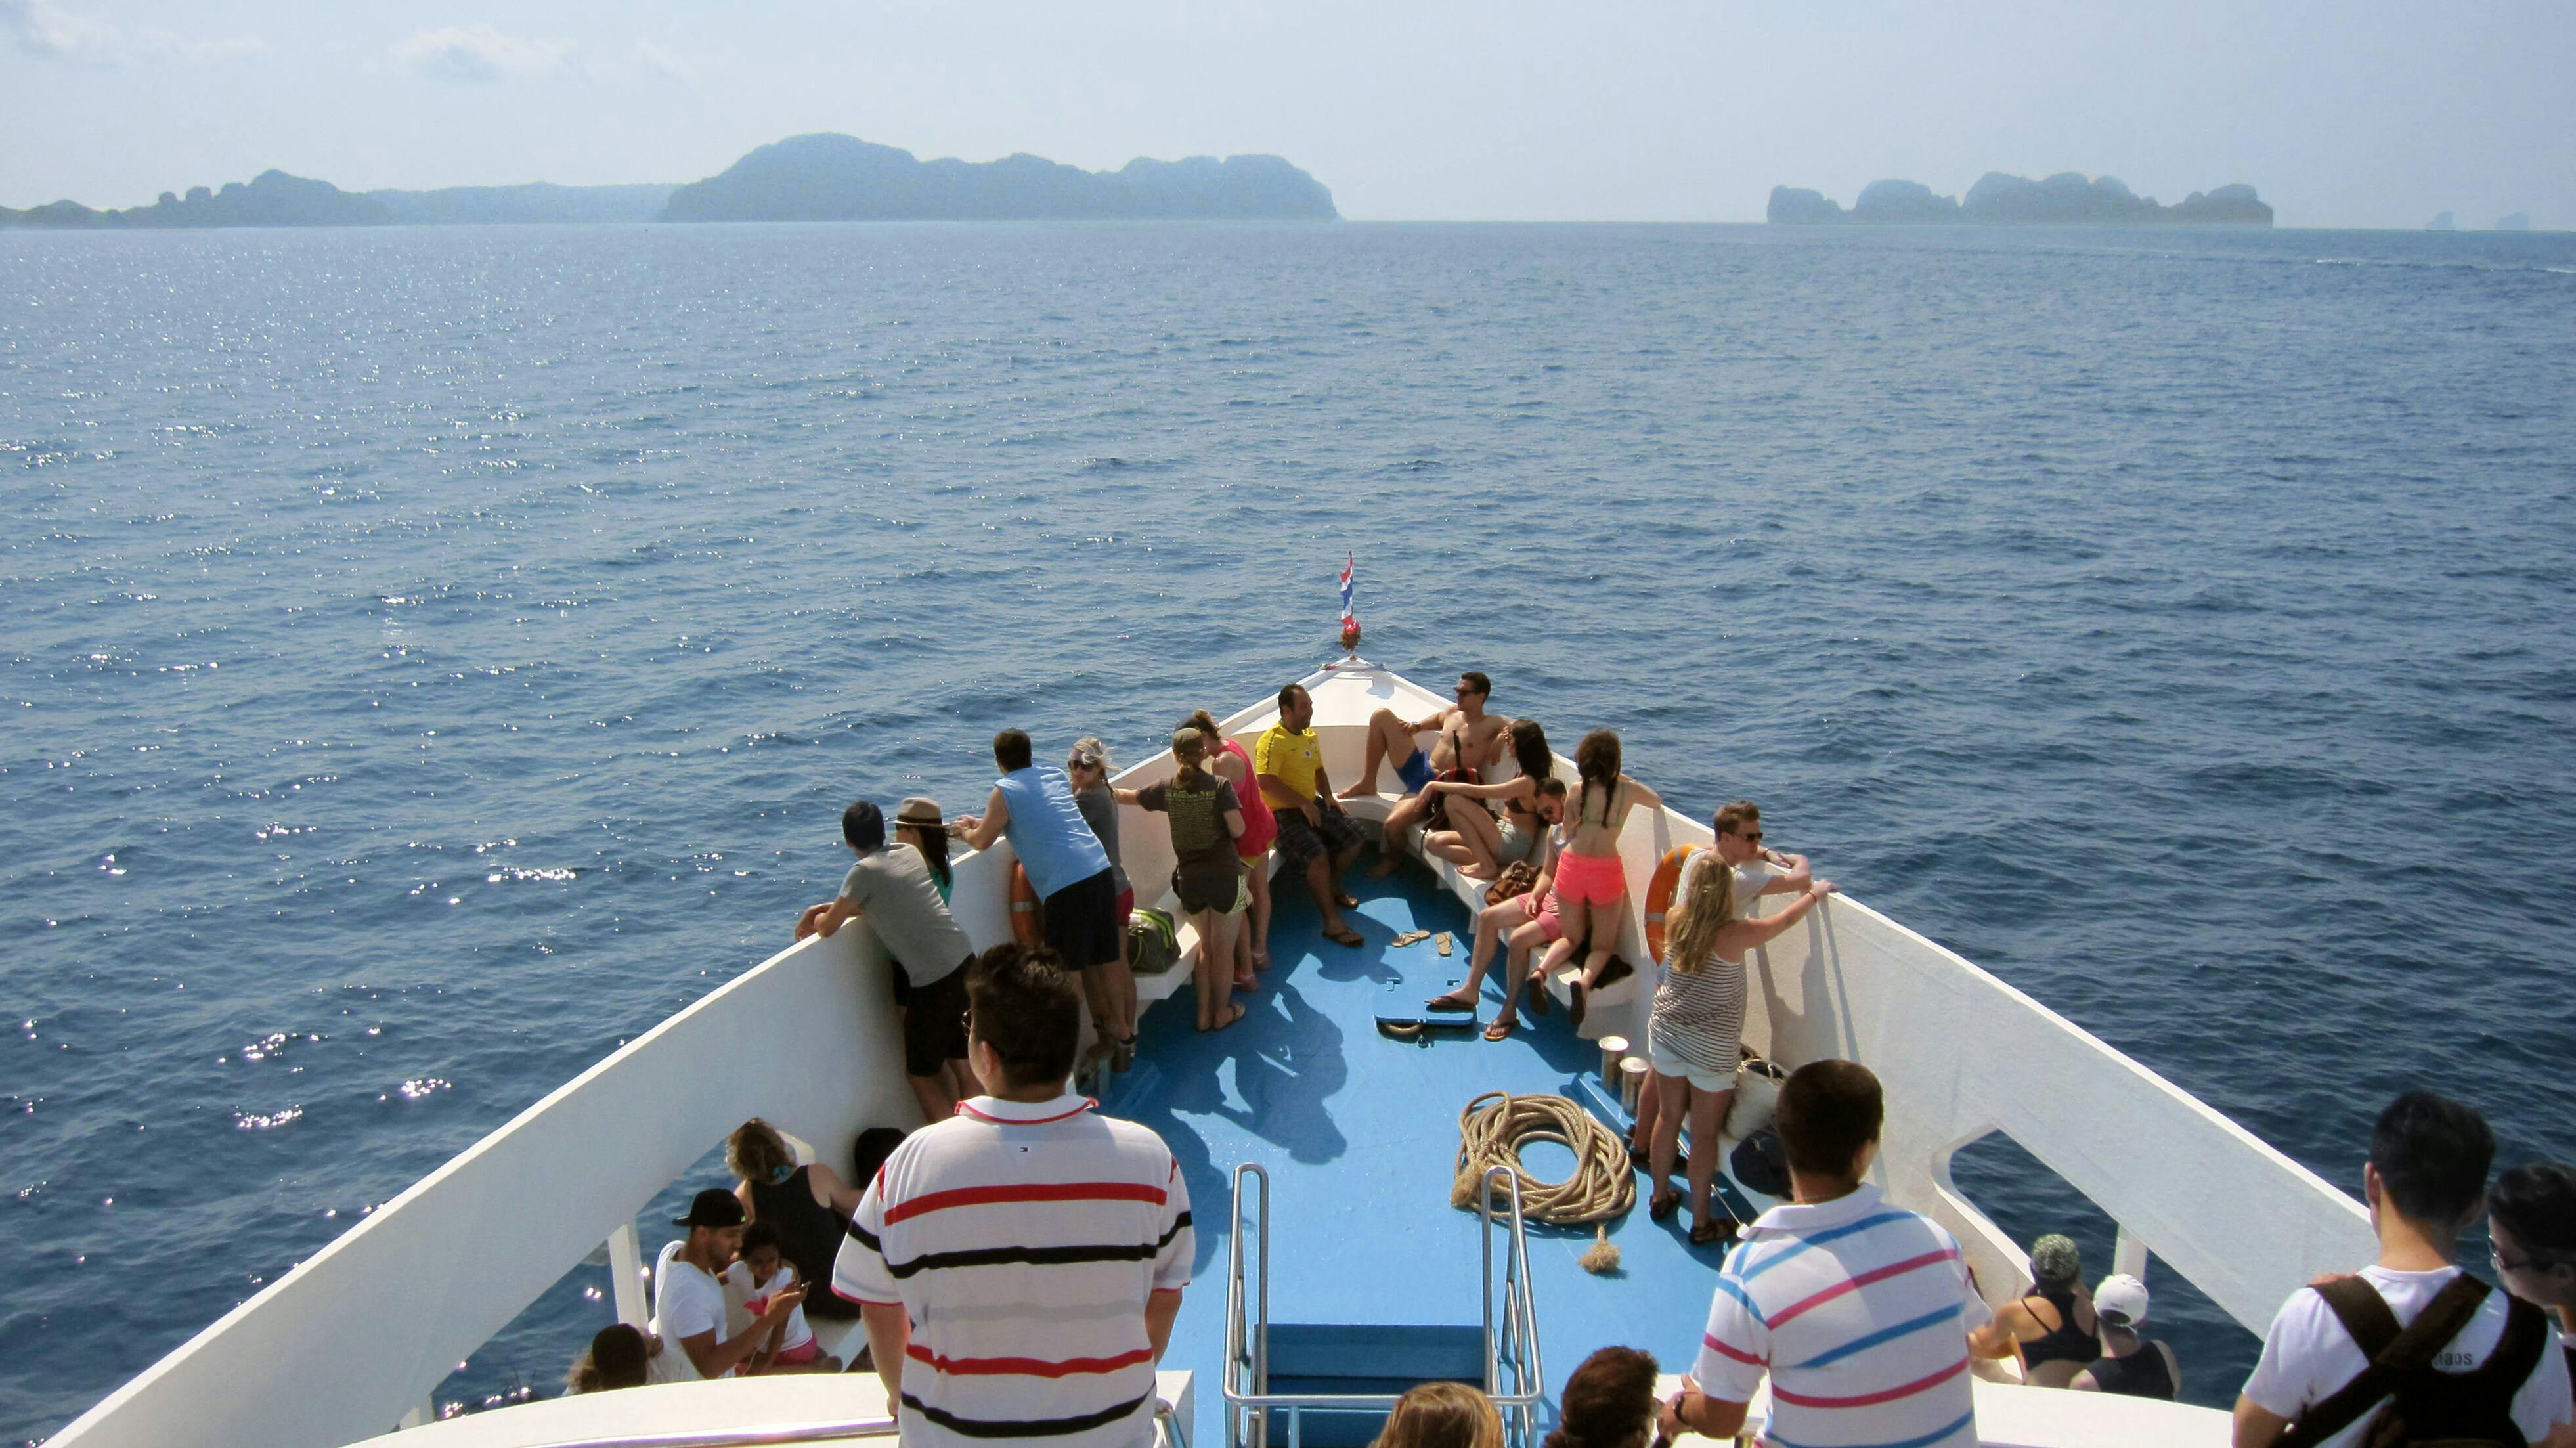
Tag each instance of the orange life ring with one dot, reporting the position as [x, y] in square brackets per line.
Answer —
[1026, 928]
[1659, 895]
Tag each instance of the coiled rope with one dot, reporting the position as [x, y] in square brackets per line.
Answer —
[1497, 1126]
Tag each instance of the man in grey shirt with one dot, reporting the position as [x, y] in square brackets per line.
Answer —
[893, 891]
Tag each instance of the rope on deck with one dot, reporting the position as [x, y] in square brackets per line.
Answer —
[1497, 1126]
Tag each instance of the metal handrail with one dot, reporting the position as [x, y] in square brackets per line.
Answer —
[1511, 1339]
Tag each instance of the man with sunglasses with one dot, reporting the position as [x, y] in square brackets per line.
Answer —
[1469, 737]
[1757, 871]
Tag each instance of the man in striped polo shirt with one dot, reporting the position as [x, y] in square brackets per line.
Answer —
[1863, 1314]
[1019, 1264]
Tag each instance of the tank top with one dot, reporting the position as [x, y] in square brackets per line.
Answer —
[1100, 811]
[2069, 1343]
[1258, 822]
[809, 1236]
[1047, 831]
[2142, 1374]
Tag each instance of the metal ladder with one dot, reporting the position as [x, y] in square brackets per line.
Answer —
[1514, 1378]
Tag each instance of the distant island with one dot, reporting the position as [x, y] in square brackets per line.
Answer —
[2068, 198]
[803, 178]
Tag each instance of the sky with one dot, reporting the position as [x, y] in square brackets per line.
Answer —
[2340, 112]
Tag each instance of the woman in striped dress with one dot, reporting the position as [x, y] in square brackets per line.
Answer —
[1698, 1020]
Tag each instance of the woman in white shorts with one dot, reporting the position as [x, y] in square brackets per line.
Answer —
[1698, 1020]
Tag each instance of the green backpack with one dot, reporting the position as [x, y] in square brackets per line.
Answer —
[1152, 944]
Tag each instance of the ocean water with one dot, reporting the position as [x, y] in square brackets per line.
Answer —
[434, 656]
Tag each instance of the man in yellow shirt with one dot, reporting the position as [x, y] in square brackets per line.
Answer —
[1315, 833]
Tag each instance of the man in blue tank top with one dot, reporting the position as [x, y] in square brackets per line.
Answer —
[1035, 810]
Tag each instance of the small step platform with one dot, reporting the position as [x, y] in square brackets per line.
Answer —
[1372, 1359]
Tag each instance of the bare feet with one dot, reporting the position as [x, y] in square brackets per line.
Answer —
[1359, 790]
[1387, 864]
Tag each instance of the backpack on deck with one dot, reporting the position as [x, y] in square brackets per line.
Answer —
[1153, 945]
[2417, 1405]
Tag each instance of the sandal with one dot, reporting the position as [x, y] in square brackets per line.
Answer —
[1346, 937]
[1663, 1204]
[1239, 1010]
[1537, 984]
[1453, 1001]
[1714, 1230]
[1501, 1028]
[1347, 900]
[1574, 1007]
[1410, 937]
[1245, 980]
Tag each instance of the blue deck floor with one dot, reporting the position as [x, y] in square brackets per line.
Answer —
[1360, 1136]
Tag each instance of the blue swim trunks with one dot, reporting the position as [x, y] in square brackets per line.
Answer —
[1415, 771]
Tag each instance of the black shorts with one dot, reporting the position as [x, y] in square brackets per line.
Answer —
[934, 1020]
[1082, 923]
[1300, 842]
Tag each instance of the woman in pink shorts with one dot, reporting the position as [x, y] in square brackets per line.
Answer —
[1591, 884]
[1523, 922]
[1260, 827]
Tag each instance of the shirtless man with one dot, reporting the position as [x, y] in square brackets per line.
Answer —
[1390, 740]
[1468, 735]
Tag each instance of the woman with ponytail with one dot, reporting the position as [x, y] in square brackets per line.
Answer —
[1694, 1034]
[1260, 827]
[1591, 884]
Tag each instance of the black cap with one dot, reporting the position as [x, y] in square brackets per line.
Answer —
[714, 1207]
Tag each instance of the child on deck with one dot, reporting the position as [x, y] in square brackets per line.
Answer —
[762, 1271]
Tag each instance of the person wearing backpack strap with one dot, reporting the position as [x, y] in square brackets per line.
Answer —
[2410, 1350]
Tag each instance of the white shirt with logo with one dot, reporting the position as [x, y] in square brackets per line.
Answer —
[2307, 1355]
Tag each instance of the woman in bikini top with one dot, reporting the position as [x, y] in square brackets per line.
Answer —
[1469, 838]
[1591, 885]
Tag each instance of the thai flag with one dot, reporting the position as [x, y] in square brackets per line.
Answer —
[1347, 617]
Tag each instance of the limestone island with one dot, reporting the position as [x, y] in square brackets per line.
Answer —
[803, 178]
[2068, 198]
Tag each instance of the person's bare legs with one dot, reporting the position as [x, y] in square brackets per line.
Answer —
[1389, 742]
[1224, 930]
[1491, 922]
[1641, 1134]
[932, 1092]
[1406, 813]
[1601, 935]
[1323, 878]
[1707, 1121]
[1664, 1145]
[1482, 837]
[1517, 948]
[1257, 928]
[1209, 969]
[1118, 983]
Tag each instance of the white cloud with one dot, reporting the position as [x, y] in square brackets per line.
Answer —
[654, 60]
[40, 27]
[479, 54]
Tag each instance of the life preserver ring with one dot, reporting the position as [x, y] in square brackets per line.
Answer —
[1026, 927]
[1659, 895]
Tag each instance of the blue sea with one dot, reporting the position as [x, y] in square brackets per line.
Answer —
[434, 656]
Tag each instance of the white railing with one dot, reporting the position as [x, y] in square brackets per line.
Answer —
[357, 1337]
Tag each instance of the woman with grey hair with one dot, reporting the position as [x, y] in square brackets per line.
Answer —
[2054, 1328]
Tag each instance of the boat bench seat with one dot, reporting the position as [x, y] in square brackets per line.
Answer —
[1560, 982]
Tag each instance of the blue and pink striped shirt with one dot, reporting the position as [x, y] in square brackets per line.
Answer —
[1860, 1313]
